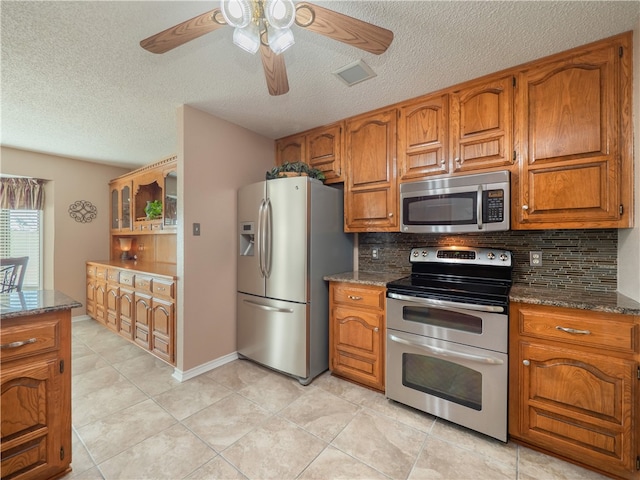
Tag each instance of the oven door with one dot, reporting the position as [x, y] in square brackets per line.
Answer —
[483, 326]
[462, 384]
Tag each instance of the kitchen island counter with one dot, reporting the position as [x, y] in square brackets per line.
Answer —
[34, 302]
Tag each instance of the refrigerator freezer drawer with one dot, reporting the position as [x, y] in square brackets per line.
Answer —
[274, 333]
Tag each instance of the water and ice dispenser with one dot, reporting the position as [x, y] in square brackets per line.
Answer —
[247, 239]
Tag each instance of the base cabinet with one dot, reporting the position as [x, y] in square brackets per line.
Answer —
[36, 396]
[574, 386]
[140, 306]
[356, 333]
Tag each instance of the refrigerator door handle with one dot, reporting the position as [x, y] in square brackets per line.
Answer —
[268, 226]
[267, 307]
[260, 241]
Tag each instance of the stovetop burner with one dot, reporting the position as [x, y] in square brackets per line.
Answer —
[463, 274]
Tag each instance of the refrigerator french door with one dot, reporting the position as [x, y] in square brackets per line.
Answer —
[290, 237]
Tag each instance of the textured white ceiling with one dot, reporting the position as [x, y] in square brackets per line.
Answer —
[76, 83]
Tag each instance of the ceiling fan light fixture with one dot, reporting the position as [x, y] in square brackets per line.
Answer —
[237, 13]
[247, 38]
[280, 13]
[280, 39]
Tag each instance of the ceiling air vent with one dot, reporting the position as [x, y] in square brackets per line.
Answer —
[355, 73]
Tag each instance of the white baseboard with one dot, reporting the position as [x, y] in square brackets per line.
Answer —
[80, 318]
[205, 367]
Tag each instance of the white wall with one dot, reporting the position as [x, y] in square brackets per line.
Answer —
[629, 239]
[215, 158]
[67, 243]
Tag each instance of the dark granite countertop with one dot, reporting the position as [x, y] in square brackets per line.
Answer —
[34, 302]
[154, 268]
[601, 302]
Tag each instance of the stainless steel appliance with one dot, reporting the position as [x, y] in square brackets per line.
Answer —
[290, 236]
[447, 336]
[467, 203]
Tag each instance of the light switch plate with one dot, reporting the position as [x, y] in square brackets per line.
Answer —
[196, 229]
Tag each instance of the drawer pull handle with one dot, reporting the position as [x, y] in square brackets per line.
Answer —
[354, 297]
[573, 330]
[5, 346]
[162, 289]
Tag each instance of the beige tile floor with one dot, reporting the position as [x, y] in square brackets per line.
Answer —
[132, 420]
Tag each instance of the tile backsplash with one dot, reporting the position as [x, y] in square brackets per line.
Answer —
[584, 260]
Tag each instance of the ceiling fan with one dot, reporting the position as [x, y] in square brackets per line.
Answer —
[264, 25]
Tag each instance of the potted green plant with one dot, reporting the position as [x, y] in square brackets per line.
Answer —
[288, 169]
[153, 209]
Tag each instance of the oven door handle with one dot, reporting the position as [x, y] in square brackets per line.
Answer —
[443, 352]
[445, 303]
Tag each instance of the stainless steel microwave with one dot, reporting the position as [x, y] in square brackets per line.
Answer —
[468, 203]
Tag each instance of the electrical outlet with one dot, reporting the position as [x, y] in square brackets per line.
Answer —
[375, 253]
[535, 259]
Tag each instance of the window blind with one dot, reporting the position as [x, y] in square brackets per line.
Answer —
[21, 236]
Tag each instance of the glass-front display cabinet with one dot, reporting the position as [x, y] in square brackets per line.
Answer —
[121, 206]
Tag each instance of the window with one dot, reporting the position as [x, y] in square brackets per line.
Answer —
[21, 236]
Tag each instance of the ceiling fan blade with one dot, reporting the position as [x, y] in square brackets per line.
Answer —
[275, 71]
[343, 28]
[183, 32]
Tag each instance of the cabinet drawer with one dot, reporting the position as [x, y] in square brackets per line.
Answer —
[126, 278]
[113, 275]
[23, 340]
[163, 288]
[101, 273]
[592, 329]
[366, 297]
[143, 283]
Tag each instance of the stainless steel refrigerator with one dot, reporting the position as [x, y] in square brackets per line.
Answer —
[290, 236]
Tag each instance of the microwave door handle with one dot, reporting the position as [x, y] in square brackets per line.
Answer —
[479, 207]
[445, 303]
[443, 352]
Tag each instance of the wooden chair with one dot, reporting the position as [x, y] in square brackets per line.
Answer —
[12, 272]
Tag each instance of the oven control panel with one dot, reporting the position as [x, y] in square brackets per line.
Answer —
[466, 255]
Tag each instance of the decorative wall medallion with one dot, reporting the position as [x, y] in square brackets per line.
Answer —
[83, 211]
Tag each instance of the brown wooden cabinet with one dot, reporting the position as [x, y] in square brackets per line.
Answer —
[423, 137]
[321, 148]
[139, 306]
[574, 392]
[356, 333]
[120, 198]
[371, 199]
[481, 128]
[36, 395]
[573, 116]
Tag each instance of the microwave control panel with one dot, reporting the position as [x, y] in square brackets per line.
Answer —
[493, 210]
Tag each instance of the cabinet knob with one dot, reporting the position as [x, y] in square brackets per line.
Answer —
[376, 329]
[390, 215]
[525, 207]
[459, 161]
[443, 162]
[526, 363]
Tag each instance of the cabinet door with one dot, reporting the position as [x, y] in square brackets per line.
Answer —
[162, 329]
[290, 149]
[578, 404]
[141, 333]
[112, 298]
[127, 313]
[91, 297]
[371, 203]
[30, 427]
[570, 143]
[101, 302]
[324, 151]
[356, 345]
[482, 125]
[423, 128]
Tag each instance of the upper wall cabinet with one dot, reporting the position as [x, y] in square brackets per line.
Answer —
[482, 125]
[423, 128]
[321, 148]
[371, 199]
[120, 199]
[574, 139]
